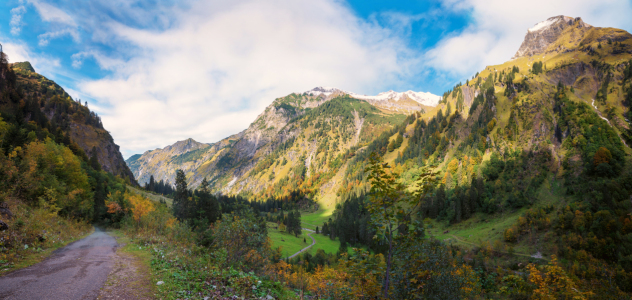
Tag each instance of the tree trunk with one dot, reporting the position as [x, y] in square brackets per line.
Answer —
[388, 262]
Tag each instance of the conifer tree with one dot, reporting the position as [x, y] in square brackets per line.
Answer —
[152, 183]
[181, 198]
[207, 205]
[94, 161]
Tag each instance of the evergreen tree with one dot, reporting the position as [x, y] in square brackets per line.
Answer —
[181, 199]
[152, 183]
[441, 199]
[207, 205]
[94, 161]
[290, 222]
[99, 198]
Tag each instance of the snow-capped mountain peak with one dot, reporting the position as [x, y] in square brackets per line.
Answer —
[323, 90]
[420, 97]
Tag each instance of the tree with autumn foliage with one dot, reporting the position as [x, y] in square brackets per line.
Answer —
[140, 206]
[243, 238]
[552, 282]
[392, 208]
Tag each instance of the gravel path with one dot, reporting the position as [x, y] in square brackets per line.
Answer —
[77, 271]
[313, 243]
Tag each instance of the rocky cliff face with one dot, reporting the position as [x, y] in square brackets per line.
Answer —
[80, 124]
[544, 34]
[108, 153]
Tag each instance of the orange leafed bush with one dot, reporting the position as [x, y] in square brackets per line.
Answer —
[140, 207]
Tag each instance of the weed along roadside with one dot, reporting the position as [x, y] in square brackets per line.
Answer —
[130, 277]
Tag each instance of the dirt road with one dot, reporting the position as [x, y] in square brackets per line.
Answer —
[76, 271]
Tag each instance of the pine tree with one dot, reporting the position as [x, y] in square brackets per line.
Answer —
[298, 229]
[94, 161]
[99, 198]
[181, 198]
[441, 199]
[152, 184]
[207, 205]
[289, 222]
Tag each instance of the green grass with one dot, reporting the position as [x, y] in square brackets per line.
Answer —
[288, 242]
[325, 243]
[476, 229]
[312, 219]
[195, 275]
[151, 196]
[291, 244]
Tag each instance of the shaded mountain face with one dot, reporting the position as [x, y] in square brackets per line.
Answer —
[74, 119]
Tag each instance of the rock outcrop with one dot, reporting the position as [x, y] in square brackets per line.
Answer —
[544, 34]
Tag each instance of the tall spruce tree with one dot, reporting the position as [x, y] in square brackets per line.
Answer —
[181, 199]
[207, 205]
[94, 161]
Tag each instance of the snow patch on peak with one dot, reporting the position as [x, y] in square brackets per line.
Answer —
[420, 97]
[550, 21]
[543, 25]
[322, 90]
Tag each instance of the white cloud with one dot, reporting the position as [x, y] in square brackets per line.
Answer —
[45, 38]
[64, 23]
[225, 61]
[104, 62]
[51, 13]
[16, 19]
[499, 27]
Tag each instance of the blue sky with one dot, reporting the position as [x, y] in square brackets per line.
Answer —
[162, 71]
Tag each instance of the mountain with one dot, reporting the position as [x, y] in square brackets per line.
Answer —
[423, 98]
[533, 162]
[312, 133]
[73, 119]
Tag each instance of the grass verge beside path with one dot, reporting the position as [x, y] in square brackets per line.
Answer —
[130, 277]
[187, 271]
[34, 255]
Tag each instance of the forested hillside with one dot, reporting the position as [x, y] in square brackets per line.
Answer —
[57, 165]
[531, 158]
[39, 100]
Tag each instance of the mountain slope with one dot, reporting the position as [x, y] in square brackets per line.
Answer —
[82, 126]
[532, 157]
[311, 134]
